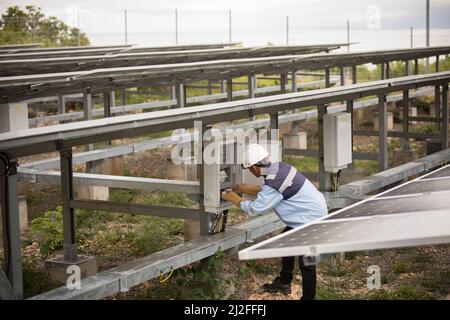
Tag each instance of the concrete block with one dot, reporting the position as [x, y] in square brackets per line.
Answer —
[13, 117]
[186, 172]
[57, 268]
[285, 128]
[412, 113]
[350, 175]
[111, 166]
[295, 140]
[91, 192]
[358, 114]
[191, 229]
[404, 156]
[23, 213]
[390, 122]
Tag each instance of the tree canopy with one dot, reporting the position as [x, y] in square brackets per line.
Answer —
[19, 26]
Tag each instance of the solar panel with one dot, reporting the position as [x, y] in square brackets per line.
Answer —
[422, 202]
[444, 172]
[415, 213]
[421, 186]
[376, 232]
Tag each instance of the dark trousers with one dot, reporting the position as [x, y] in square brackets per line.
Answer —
[309, 277]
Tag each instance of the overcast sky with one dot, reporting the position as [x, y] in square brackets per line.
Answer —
[394, 13]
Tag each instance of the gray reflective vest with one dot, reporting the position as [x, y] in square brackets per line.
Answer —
[284, 178]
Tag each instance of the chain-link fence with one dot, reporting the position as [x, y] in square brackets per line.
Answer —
[169, 27]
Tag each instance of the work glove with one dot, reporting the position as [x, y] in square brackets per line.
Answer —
[247, 188]
[232, 197]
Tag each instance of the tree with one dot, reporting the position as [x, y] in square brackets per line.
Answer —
[32, 26]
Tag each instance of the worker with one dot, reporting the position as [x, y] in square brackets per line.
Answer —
[294, 199]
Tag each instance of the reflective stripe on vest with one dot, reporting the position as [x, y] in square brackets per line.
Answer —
[284, 178]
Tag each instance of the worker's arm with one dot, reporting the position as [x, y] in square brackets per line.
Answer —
[232, 197]
[250, 189]
[266, 200]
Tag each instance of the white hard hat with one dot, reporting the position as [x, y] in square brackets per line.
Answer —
[254, 153]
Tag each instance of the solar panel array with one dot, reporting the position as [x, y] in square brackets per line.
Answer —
[412, 214]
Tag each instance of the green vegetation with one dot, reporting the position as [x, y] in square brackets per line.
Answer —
[403, 292]
[19, 26]
[305, 164]
[401, 267]
[200, 281]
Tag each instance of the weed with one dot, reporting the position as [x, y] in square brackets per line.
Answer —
[401, 267]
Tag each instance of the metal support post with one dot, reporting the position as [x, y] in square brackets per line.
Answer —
[87, 109]
[123, 96]
[405, 120]
[205, 217]
[445, 115]
[324, 179]
[416, 66]
[354, 75]
[437, 106]
[11, 224]
[342, 76]
[251, 86]
[108, 103]
[294, 81]
[327, 78]
[437, 63]
[274, 127]
[209, 87]
[61, 104]
[350, 104]
[388, 70]
[383, 71]
[382, 134]
[230, 89]
[180, 94]
[283, 82]
[70, 247]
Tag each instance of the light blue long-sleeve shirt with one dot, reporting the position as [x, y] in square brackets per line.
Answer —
[306, 205]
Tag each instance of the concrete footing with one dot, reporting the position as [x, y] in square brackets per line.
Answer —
[23, 213]
[350, 175]
[58, 271]
[404, 156]
[285, 128]
[111, 166]
[186, 172]
[13, 117]
[92, 193]
[296, 140]
[358, 114]
[390, 122]
[412, 113]
[191, 230]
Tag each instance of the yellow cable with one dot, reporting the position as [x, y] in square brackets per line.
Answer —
[161, 280]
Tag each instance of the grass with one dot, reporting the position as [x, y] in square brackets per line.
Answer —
[305, 164]
[401, 267]
[403, 292]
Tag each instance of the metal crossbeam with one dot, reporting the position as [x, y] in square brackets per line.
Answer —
[42, 140]
[26, 87]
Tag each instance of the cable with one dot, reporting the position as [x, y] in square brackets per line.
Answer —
[6, 164]
[161, 280]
